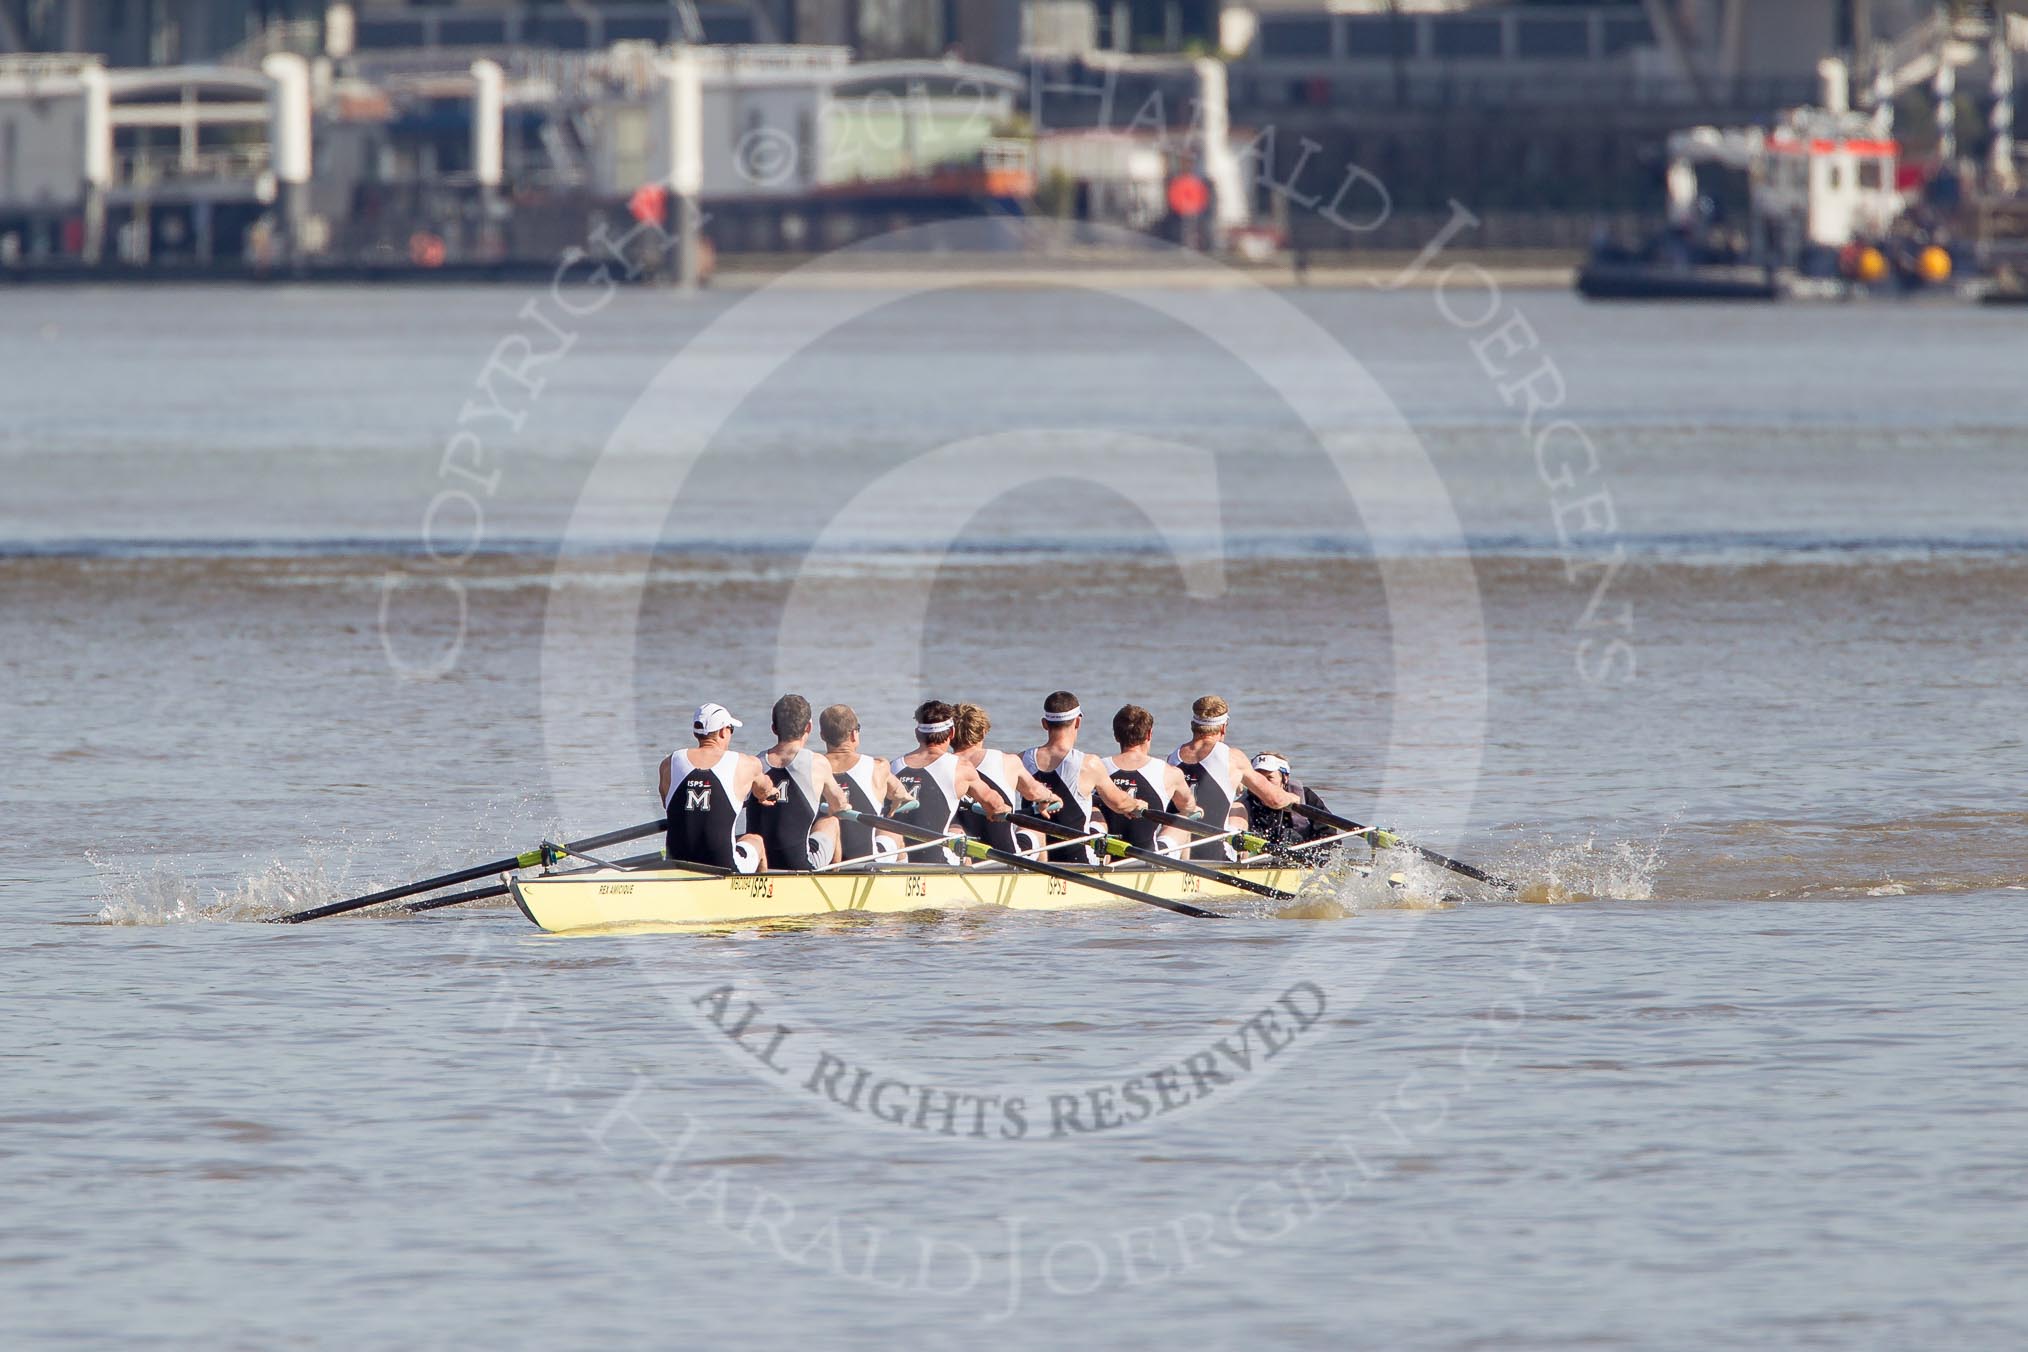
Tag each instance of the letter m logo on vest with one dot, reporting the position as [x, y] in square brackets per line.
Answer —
[697, 798]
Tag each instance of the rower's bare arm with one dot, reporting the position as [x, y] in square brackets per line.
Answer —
[663, 780]
[973, 784]
[1031, 788]
[1181, 800]
[829, 789]
[892, 790]
[1109, 793]
[761, 787]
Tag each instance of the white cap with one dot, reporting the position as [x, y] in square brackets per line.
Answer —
[712, 717]
[1268, 763]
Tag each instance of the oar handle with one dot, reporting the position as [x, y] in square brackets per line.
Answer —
[1249, 842]
[978, 849]
[1120, 849]
[1054, 830]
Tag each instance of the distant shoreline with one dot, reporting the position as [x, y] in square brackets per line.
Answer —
[1512, 269]
[1516, 270]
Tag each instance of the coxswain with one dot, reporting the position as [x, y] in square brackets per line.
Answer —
[940, 782]
[869, 785]
[1156, 784]
[796, 833]
[1008, 776]
[705, 792]
[1218, 773]
[1285, 827]
[1075, 777]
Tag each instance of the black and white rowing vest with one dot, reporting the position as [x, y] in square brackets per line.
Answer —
[1211, 783]
[1146, 785]
[703, 810]
[855, 839]
[1075, 813]
[785, 826]
[935, 790]
[997, 769]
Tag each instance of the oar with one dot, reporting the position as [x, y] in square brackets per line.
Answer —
[980, 850]
[1443, 860]
[1119, 849]
[499, 888]
[1377, 838]
[887, 856]
[527, 859]
[1252, 844]
[658, 860]
[438, 903]
[1048, 845]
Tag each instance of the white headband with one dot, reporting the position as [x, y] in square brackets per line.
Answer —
[1068, 715]
[1217, 722]
[932, 729]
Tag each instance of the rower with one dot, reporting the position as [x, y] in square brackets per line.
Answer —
[1156, 784]
[705, 792]
[869, 786]
[796, 836]
[1073, 776]
[939, 782]
[1288, 826]
[1218, 772]
[1009, 778]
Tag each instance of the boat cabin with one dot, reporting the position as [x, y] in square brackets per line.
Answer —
[1817, 182]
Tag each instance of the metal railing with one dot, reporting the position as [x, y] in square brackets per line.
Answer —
[166, 164]
[46, 65]
[572, 27]
[1459, 89]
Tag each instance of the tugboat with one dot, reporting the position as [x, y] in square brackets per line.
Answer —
[1830, 212]
[1832, 209]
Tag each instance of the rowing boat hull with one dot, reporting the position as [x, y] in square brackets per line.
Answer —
[647, 899]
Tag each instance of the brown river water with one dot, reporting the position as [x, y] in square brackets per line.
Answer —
[285, 619]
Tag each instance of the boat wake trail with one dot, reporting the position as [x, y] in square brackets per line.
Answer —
[1950, 851]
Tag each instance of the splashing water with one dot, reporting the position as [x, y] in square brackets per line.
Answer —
[335, 866]
[1345, 885]
[1552, 872]
[161, 896]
